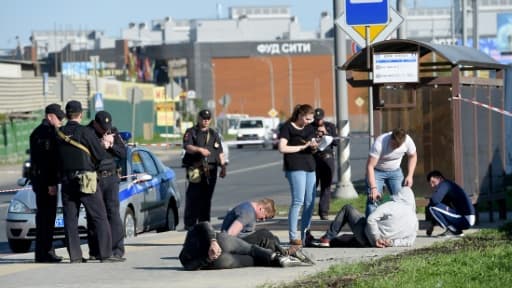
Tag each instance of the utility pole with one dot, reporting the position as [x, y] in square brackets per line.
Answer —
[344, 188]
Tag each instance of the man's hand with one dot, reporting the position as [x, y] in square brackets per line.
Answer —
[383, 243]
[408, 181]
[222, 173]
[107, 141]
[214, 251]
[374, 194]
[205, 152]
[52, 190]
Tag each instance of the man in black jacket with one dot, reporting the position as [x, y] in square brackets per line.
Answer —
[206, 249]
[44, 178]
[109, 182]
[80, 153]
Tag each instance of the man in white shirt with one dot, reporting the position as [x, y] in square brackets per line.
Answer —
[383, 165]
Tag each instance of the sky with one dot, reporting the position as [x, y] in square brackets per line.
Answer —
[19, 18]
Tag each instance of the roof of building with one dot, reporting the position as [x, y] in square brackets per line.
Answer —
[455, 55]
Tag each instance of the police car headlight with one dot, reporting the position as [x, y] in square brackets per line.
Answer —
[18, 207]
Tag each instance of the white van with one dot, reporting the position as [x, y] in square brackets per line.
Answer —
[253, 131]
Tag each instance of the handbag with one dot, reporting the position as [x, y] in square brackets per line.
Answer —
[88, 181]
[194, 174]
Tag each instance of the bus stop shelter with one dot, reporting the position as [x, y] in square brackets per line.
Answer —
[453, 112]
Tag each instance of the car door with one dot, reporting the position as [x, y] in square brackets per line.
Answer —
[155, 204]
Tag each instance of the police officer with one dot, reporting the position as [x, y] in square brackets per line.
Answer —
[108, 181]
[324, 162]
[44, 178]
[79, 153]
[203, 150]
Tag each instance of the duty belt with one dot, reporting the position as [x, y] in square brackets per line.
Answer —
[106, 173]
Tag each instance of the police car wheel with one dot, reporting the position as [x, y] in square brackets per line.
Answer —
[129, 224]
[170, 222]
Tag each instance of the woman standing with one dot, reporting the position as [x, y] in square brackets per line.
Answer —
[297, 145]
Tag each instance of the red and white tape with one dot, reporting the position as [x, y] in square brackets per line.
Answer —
[25, 187]
[501, 111]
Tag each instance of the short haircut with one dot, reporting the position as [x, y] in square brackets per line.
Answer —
[269, 207]
[399, 135]
[434, 173]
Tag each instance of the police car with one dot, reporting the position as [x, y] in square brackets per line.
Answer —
[149, 200]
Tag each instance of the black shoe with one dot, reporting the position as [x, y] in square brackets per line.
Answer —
[93, 258]
[77, 261]
[113, 259]
[49, 259]
[324, 217]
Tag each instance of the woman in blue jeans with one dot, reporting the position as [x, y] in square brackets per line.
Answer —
[297, 143]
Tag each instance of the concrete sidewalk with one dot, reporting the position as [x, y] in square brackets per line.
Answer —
[152, 261]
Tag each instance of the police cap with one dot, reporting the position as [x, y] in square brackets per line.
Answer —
[73, 106]
[319, 114]
[205, 114]
[104, 119]
[55, 109]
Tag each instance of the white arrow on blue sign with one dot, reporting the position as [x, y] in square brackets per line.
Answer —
[367, 12]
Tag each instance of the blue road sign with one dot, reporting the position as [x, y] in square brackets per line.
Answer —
[367, 12]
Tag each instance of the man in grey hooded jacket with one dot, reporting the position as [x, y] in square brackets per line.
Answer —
[392, 224]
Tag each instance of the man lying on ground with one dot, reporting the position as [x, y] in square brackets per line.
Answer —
[206, 249]
[392, 224]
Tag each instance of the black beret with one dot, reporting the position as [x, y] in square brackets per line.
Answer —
[205, 114]
[319, 114]
[55, 109]
[104, 119]
[73, 106]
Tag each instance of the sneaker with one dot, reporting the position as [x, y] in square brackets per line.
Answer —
[324, 242]
[303, 256]
[309, 239]
[449, 234]
[289, 261]
[297, 242]
[430, 229]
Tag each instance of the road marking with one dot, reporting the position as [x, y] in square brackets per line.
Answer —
[245, 169]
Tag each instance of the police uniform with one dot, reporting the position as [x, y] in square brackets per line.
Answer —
[43, 174]
[199, 195]
[324, 164]
[75, 161]
[108, 182]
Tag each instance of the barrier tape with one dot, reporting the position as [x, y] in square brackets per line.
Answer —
[25, 187]
[501, 111]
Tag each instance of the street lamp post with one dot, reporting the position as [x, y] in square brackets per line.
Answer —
[271, 71]
[290, 82]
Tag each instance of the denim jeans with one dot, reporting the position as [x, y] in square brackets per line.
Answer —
[392, 179]
[302, 185]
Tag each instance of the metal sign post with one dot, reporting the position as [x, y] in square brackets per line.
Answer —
[370, 87]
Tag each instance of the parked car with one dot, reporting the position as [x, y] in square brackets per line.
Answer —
[149, 200]
[253, 131]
